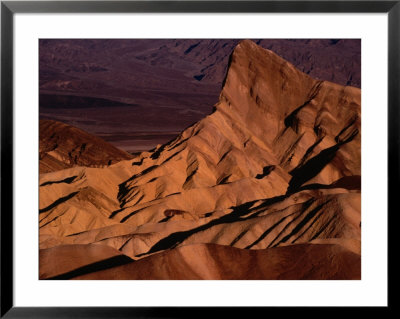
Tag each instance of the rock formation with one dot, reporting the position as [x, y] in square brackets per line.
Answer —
[266, 187]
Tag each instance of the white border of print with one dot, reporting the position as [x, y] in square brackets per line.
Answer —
[370, 291]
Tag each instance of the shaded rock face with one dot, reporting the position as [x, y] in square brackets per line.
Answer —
[272, 176]
[126, 90]
[63, 146]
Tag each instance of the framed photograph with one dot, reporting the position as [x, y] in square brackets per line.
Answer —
[171, 158]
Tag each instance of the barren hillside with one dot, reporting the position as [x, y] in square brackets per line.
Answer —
[266, 187]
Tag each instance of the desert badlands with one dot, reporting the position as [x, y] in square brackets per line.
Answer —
[266, 186]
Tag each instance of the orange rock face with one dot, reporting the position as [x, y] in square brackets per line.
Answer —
[266, 187]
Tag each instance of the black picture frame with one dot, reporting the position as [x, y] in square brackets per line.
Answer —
[9, 8]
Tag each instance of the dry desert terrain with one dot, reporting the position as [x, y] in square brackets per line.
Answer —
[266, 186]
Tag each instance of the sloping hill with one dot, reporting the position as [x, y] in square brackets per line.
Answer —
[63, 146]
[211, 262]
